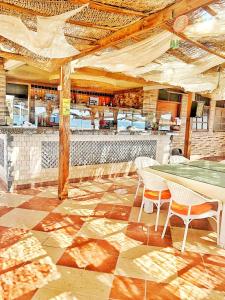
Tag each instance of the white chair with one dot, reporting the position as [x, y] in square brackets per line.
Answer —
[178, 159]
[189, 206]
[156, 191]
[142, 162]
[222, 161]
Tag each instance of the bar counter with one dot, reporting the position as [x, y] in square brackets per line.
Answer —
[29, 156]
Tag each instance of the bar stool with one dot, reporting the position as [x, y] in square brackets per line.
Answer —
[142, 162]
[189, 206]
[156, 191]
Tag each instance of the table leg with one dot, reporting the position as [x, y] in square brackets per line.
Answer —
[222, 229]
[148, 207]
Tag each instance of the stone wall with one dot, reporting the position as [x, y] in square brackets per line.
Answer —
[178, 140]
[3, 109]
[150, 100]
[31, 164]
[3, 161]
[208, 143]
[205, 144]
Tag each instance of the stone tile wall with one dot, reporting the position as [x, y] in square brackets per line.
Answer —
[25, 155]
[150, 100]
[3, 159]
[3, 108]
[178, 140]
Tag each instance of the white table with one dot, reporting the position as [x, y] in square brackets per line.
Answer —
[202, 180]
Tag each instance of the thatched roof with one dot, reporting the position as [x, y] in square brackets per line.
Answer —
[111, 25]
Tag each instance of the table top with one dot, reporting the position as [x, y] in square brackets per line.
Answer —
[198, 171]
[210, 165]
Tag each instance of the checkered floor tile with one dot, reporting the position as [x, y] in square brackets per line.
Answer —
[91, 247]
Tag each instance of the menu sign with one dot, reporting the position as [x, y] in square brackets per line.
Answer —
[66, 107]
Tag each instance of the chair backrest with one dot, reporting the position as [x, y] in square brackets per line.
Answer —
[178, 159]
[144, 162]
[152, 181]
[176, 151]
[183, 195]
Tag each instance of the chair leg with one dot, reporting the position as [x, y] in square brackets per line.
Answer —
[157, 216]
[141, 208]
[185, 235]
[139, 183]
[166, 225]
[218, 227]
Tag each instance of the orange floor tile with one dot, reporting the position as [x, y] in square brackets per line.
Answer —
[91, 247]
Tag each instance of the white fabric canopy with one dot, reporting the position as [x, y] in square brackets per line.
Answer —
[213, 26]
[140, 59]
[219, 92]
[49, 40]
[133, 59]
[188, 76]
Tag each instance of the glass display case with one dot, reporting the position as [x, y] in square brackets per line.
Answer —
[81, 118]
[18, 110]
[131, 119]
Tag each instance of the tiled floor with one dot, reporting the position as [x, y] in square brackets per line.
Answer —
[90, 247]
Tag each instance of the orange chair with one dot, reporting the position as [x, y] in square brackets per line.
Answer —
[189, 206]
[142, 162]
[155, 190]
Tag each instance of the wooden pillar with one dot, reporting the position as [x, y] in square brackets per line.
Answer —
[188, 129]
[64, 131]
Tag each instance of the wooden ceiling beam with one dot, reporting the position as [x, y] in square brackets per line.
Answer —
[155, 20]
[109, 8]
[194, 43]
[52, 66]
[30, 12]
[116, 76]
[210, 11]
[8, 55]
[93, 41]
[91, 25]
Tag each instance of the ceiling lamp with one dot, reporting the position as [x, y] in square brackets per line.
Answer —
[180, 23]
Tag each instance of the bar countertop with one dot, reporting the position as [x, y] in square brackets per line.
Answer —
[54, 130]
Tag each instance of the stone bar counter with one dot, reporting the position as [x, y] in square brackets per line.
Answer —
[29, 157]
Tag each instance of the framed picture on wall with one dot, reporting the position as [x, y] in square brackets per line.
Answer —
[93, 101]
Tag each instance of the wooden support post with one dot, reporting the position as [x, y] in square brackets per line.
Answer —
[188, 130]
[64, 131]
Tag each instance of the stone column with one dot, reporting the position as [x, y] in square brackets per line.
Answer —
[212, 114]
[179, 140]
[150, 99]
[3, 107]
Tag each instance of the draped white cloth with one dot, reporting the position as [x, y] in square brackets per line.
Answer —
[143, 59]
[188, 76]
[49, 40]
[134, 59]
[213, 26]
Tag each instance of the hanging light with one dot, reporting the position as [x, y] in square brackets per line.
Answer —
[179, 25]
[175, 42]
[219, 92]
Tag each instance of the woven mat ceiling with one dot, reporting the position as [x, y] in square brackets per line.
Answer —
[147, 6]
[87, 28]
